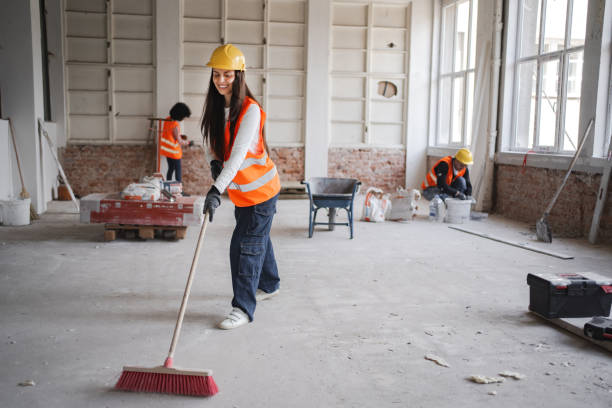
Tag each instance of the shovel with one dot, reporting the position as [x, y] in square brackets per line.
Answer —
[543, 231]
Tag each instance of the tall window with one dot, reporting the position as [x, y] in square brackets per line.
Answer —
[549, 74]
[456, 72]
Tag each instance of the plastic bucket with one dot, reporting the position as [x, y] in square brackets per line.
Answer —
[457, 211]
[15, 212]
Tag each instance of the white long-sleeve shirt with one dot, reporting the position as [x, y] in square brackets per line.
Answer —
[246, 140]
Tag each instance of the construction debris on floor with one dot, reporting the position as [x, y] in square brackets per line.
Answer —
[350, 327]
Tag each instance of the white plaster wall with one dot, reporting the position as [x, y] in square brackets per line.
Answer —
[49, 169]
[21, 83]
[595, 74]
[56, 69]
[482, 127]
[168, 41]
[419, 75]
[6, 154]
[317, 89]
[316, 141]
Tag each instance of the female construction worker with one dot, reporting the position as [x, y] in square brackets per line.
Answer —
[171, 140]
[233, 130]
[449, 177]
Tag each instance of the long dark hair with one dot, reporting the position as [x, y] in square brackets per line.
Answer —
[213, 121]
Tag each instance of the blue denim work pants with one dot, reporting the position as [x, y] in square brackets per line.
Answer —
[252, 256]
[174, 166]
[430, 192]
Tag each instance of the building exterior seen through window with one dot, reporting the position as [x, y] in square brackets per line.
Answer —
[456, 72]
[548, 80]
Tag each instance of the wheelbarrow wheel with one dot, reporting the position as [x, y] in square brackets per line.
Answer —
[332, 219]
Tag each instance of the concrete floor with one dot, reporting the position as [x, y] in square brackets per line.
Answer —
[350, 328]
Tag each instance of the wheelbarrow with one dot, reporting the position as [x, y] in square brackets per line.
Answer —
[333, 194]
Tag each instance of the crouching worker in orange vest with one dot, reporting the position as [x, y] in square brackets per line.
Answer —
[233, 131]
[171, 140]
[449, 177]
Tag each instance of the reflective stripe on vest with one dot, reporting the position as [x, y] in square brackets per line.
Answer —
[431, 180]
[257, 179]
[260, 182]
[167, 146]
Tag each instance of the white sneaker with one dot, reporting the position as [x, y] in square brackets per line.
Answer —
[235, 318]
[261, 295]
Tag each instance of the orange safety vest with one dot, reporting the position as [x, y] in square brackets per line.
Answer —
[167, 145]
[432, 179]
[257, 179]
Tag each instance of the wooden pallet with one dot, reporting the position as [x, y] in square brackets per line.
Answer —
[575, 325]
[111, 231]
[293, 190]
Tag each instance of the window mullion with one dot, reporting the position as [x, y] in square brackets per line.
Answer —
[465, 104]
[562, 102]
[466, 74]
[452, 84]
[568, 24]
[542, 28]
[515, 82]
[536, 122]
[564, 60]
[539, 71]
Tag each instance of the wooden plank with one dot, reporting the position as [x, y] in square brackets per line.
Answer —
[516, 244]
[576, 325]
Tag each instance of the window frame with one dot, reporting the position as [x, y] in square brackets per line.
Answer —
[453, 75]
[541, 57]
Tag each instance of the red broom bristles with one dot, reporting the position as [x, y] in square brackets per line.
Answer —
[196, 385]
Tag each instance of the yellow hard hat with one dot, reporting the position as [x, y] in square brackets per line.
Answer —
[464, 156]
[227, 57]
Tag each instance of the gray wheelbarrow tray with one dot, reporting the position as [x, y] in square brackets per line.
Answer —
[331, 193]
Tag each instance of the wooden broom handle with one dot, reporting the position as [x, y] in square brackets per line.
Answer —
[571, 166]
[179, 321]
[16, 154]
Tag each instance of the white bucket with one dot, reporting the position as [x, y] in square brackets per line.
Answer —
[15, 212]
[457, 211]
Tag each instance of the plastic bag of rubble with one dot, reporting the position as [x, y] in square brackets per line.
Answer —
[404, 204]
[376, 205]
[141, 191]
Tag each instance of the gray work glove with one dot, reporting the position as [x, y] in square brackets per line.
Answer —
[215, 168]
[212, 201]
[460, 196]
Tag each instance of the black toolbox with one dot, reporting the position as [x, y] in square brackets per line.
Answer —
[599, 328]
[569, 294]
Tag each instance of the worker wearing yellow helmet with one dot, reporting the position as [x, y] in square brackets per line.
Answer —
[449, 177]
[235, 145]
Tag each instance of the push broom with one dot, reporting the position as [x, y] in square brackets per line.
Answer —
[166, 378]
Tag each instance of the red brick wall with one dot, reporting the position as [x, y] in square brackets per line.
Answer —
[377, 167]
[524, 195]
[105, 169]
[289, 162]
